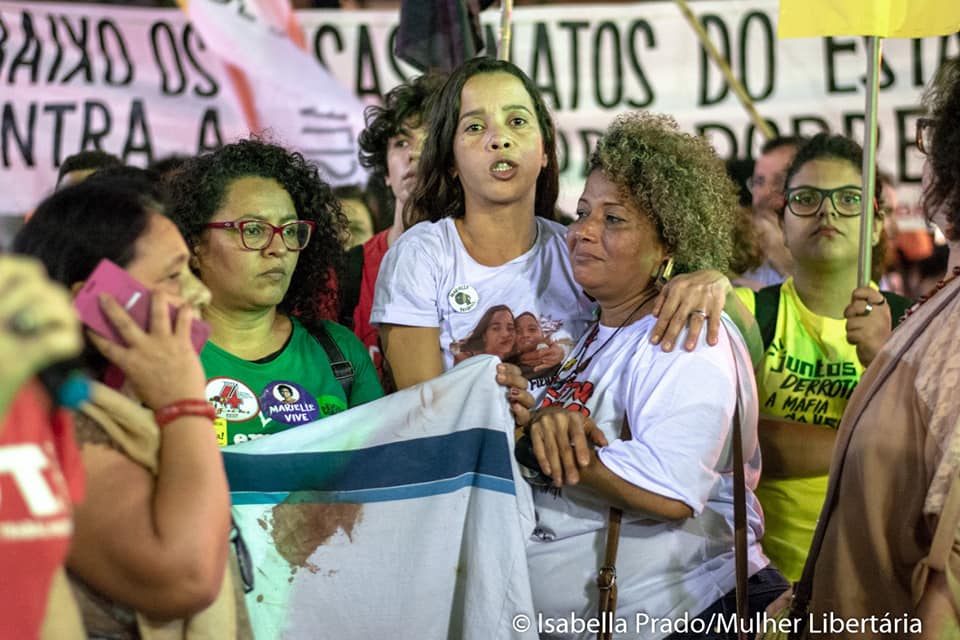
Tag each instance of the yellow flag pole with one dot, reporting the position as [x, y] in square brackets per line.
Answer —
[718, 60]
[506, 29]
[874, 47]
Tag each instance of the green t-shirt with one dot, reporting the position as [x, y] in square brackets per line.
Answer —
[292, 387]
[807, 374]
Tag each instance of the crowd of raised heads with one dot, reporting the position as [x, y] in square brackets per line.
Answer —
[693, 325]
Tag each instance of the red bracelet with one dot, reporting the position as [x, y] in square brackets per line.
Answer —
[191, 407]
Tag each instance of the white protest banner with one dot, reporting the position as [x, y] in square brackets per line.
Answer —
[396, 519]
[251, 37]
[141, 83]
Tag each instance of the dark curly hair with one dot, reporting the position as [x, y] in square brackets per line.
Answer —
[438, 194]
[942, 101]
[407, 103]
[678, 181]
[200, 188]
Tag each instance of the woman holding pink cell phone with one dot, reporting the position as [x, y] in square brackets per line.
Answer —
[152, 535]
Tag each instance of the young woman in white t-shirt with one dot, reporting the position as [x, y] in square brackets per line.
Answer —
[486, 191]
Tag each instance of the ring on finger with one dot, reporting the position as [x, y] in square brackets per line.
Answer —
[699, 312]
[867, 309]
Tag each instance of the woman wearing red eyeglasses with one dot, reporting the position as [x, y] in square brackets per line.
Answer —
[819, 331]
[265, 234]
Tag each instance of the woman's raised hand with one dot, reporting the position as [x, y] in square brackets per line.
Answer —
[160, 363]
[868, 323]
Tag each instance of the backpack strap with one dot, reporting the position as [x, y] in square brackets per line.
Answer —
[766, 307]
[342, 369]
[350, 285]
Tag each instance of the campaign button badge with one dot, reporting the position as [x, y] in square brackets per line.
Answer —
[232, 400]
[463, 298]
[289, 403]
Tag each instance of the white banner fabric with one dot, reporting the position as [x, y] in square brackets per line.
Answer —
[142, 84]
[396, 519]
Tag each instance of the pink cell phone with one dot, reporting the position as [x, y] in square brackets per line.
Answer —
[134, 297]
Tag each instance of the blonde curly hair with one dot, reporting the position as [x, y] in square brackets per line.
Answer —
[678, 181]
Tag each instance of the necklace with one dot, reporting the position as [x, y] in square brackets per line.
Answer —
[925, 297]
[575, 365]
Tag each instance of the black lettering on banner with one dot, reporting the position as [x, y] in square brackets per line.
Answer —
[563, 151]
[851, 128]
[906, 139]
[543, 50]
[365, 59]
[392, 57]
[574, 49]
[617, 73]
[29, 54]
[108, 27]
[800, 122]
[190, 39]
[917, 78]
[945, 46]
[751, 142]
[751, 57]
[163, 41]
[137, 127]
[833, 46]
[588, 137]
[79, 40]
[710, 20]
[58, 56]
[635, 27]
[317, 42]
[8, 131]
[718, 128]
[58, 109]
[92, 134]
[3, 41]
[209, 138]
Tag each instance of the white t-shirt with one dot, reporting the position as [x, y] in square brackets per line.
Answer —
[427, 279]
[681, 408]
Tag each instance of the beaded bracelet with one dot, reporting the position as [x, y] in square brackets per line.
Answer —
[181, 408]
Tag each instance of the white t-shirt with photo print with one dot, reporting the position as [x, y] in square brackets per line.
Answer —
[427, 279]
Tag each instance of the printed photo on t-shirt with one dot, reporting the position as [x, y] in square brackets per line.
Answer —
[535, 344]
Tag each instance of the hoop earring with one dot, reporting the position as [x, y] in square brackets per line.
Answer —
[663, 273]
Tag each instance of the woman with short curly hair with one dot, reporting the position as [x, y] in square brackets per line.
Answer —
[265, 233]
[627, 424]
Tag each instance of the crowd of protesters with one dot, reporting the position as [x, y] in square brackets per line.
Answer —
[783, 356]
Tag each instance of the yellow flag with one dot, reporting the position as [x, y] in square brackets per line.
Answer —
[885, 18]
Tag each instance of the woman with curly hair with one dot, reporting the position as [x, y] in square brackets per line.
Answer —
[627, 424]
[885, 541]
[265, 234]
